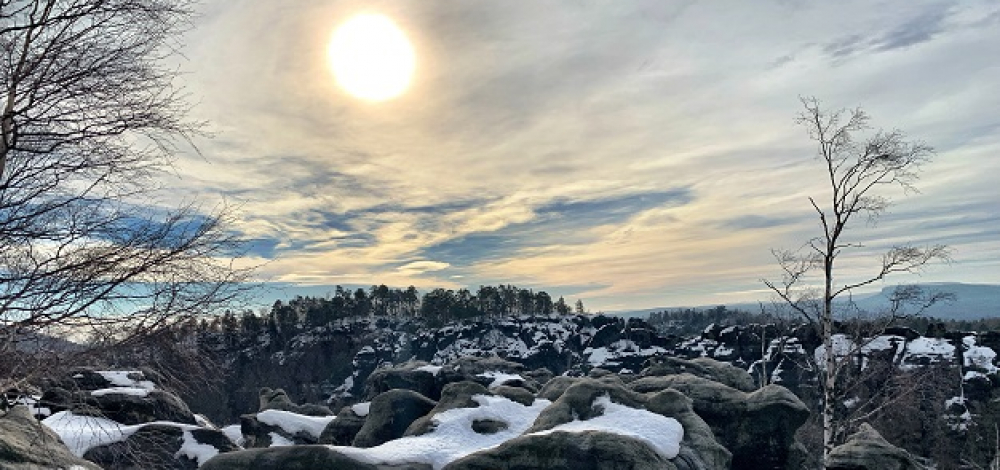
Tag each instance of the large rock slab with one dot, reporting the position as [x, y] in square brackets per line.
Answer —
[868, 450]
[342, 430]
[589, 450]
[455, 395]
[758, 428]
[122, 406]
[278, 399]
[161, 446]
[311, 457]
[703, 367]
[25, 444]
[390, 414]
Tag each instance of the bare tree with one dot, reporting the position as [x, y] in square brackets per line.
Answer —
[858, 172]
[91, 120]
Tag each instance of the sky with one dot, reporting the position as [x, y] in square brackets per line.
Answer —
[630, 154]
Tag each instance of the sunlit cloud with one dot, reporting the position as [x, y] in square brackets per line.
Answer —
[634, 154]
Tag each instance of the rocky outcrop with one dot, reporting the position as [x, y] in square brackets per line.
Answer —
[390, 414]
[310, 457]
[160, 446]
[455, 395]
[718, 371]
[126, 407]
[867, 450]
[758, 427]
[590, 450]
[278, 400]
[25, 444]
[342, 430]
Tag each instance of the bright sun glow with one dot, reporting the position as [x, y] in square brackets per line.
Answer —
[371, 57]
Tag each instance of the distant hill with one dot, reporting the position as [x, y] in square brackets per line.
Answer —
[974, 301]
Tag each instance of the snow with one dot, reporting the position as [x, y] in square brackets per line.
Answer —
[971, 374]
[954, 401]
[979, 356]
[294, 423]
[723, 351]
[429, 368]
[361, 409]
[195, 450]
[663, 434]
[277, 440]
[133, 391]
[119, 378]
[80, 433]
[453, 437]
[203, 421]
[235, 433]
[499, 378]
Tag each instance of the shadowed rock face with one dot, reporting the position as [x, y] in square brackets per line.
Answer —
[590, 450]
[156, 446]
[455, 395]
[389, 416]
[312, 457]
[867, 450]
[343, 430]
[758, 427]
[157, 405]
[25, 444]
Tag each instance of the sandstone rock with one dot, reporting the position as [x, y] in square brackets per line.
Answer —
[124, 408]
[704, 367]
[455, 395]
[867, 450]
[707, 453]
[389, 416]
[590, 450]
[554, 388]
[309, 457]
[277, 399]
[515, 394]
[405, 376]
[25, 444]
[577, 403]
[344, 429]
[156, 446]
[758, 428]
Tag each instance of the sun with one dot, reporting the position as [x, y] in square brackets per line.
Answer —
[371, 58]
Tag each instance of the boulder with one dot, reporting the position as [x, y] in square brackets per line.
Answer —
[606, 336]
[589, 450]
[703, 451]
[159, 446]
[515, 394]
[309, 457]
[868, 450]
[541, 375]
[577, 403]
[25, 444]
[704, 367]
[277, 399]
[127, 408]
[405, 376]
[389, 416]
[758, 428]
[455, 395]
[555, 387]
[343, 430]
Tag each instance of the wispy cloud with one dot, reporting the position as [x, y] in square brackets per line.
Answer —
[634, 153]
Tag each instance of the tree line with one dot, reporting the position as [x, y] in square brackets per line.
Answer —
[439, 306]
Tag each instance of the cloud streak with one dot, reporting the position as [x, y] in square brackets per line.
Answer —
[635, 154]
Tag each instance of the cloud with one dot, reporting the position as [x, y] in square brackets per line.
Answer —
[420, 267]
[642, 150]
